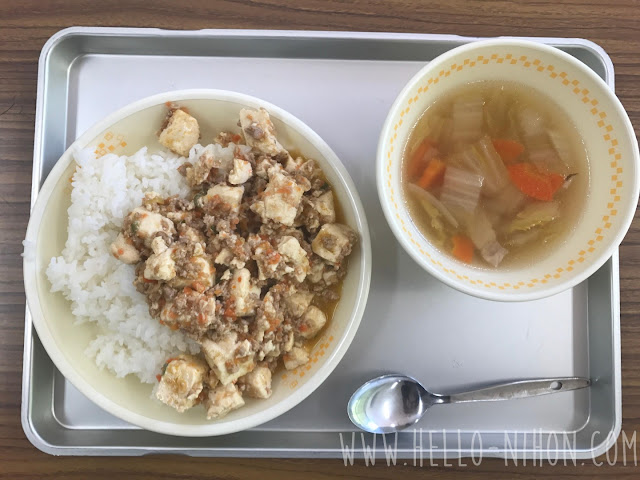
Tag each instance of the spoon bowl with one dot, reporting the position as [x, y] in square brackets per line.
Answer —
[390, 403]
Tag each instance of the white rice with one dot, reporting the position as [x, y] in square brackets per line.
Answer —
[100, 287]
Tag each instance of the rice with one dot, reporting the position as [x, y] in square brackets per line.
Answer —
[100, 287]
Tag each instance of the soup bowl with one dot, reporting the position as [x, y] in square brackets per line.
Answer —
[608, 138]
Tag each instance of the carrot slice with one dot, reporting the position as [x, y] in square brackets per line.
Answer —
[420, 158]
[433, 174]
[509, 150]
[462, 248]
[534, 183]
[557, 181]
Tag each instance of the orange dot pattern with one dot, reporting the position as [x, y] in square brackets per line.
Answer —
[535, 65]
[109, 143]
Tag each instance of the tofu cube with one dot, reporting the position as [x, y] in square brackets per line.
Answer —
[228, 358]
[224, 257]
[191, 311]
[181, 133]
[145, 224]
[199, 171]
[201, 275]
[333, 242]
[182, 382]
[241, 171]
[316, 270]
[191, 234]
[160, 266]
[230, 196]
[311, 322]
[288, 344]
[222, 400]
[257, 383]
[259, 131]
[295, 257]
[298, 302]
[282, 198]
[296, 357]
[124, 251]
[244, 293]
[292, 165]
[263, 164]
[325, 207]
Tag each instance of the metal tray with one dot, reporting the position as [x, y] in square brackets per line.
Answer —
[342, 85]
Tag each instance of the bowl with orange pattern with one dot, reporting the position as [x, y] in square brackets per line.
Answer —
[67, 340]
[608, 138]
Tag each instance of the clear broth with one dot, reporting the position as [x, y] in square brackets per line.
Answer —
[507, 97]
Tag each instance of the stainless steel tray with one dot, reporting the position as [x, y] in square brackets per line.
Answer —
[341, 84]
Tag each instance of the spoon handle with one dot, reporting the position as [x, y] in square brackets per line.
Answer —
[521, 389]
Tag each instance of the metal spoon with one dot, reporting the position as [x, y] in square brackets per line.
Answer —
[391, 403]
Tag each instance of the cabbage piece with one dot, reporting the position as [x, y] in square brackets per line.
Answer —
[461, 188]
[507, 202]
[467, 117]
[496, 111]
[537, 142]
[439, 128]
[438, 227]
[531, 122]
[484, 238]
[436, 223]
[424, 197]
[512, 130]
[482, 159]
[534, 215]
[494, 170]
[522, 238]
[435, 124]
[560, 145]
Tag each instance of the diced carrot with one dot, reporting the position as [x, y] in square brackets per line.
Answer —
[419, 159]
[433, 175]
[556, 181]
[462, 248]
[158, 377]
[509, 150]
[534, 183]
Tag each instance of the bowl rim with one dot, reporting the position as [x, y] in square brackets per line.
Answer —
[208, 429]
[507, 296]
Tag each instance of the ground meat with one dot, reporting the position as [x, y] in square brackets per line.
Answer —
[255, 131]
[224, 262]
[225, 138]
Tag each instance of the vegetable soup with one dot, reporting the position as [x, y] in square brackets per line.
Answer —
[495, 174]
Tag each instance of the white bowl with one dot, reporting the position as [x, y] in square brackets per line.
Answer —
[600, 119]
[124, 132]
